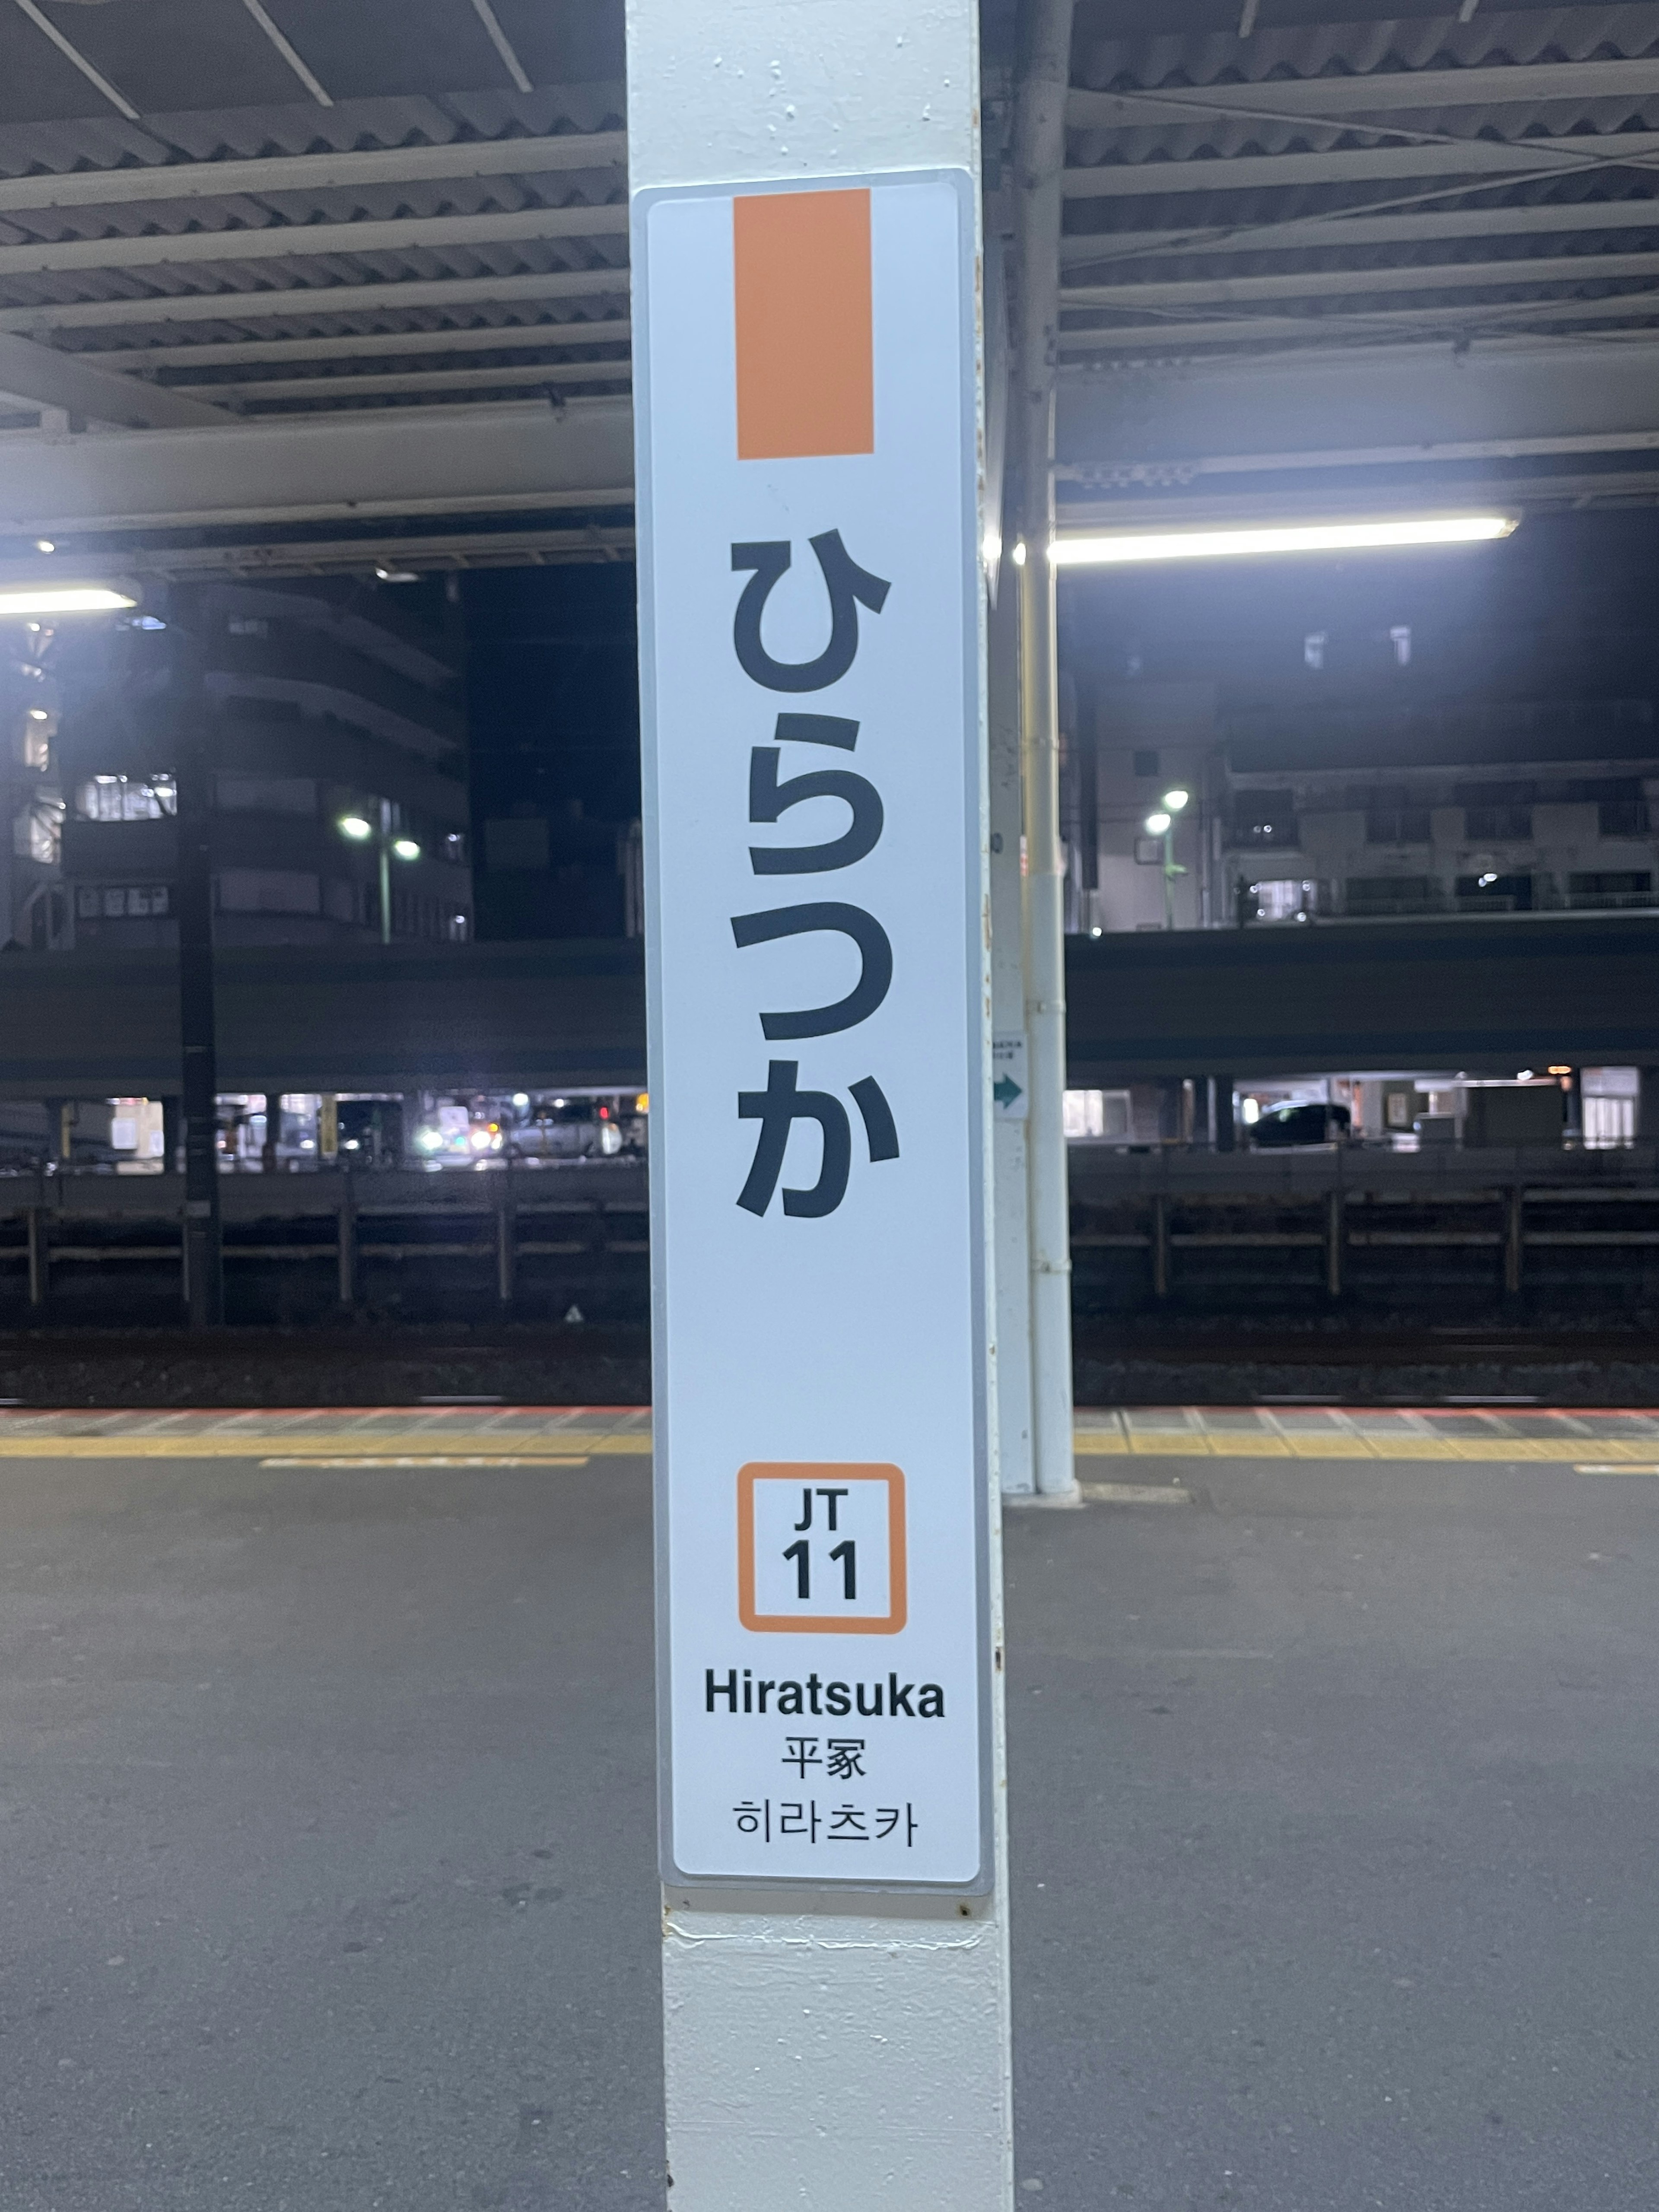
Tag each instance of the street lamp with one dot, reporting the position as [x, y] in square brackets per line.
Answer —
[1162, 825]
[360, 828]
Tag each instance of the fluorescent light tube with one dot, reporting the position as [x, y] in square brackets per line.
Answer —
[1123, 546]
[63, 600]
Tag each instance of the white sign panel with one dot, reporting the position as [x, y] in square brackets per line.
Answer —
[810, 618]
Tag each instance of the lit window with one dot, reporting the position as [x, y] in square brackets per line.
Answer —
[126, 798]
[38, 834]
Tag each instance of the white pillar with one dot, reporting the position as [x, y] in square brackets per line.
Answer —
[1039, 158]
[1012, 1215]
[828, 2051]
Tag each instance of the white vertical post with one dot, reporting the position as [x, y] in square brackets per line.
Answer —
[1010, 1122]
[1039, 162]
[830, 2042]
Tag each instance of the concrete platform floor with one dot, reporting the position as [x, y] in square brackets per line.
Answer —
[325, 1832]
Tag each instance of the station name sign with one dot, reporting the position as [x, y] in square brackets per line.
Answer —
[808, 424]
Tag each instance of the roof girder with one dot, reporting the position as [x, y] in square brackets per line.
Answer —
[1342, 283]
[306, 301]
[1442, 157]
[1332, 233]
[49, 379]
[1382, 92]
[306, 240]
[315, 173]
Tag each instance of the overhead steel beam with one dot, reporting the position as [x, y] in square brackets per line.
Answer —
[259, 554]
[1365, 457]
[1337, 410]
[497, 458]
[1464, 157]
[305, 240]
[1465, 318]
[521, 457]
[48, 378]
[306, 301]
[1341, 283]
[1334, 232]
[415, 382]
[315, 173]
[1299, 501]
[1396, 92]
[238, 353]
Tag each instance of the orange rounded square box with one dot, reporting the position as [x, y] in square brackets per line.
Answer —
[812, 1474]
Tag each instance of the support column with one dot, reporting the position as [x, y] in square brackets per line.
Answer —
[1647, 1107]
[1335, 1236]
[505, 1242]
[825, 2049]
[346, 1241]
[1039, 166]
[268, 1162]
[39, 1256]
[1227, 1127]
[204, 1267]
[1513, 1240]
[1011, 1232]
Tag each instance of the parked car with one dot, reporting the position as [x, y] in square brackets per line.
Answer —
[1309, 1123]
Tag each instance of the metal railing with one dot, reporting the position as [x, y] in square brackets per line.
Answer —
[390, 1217]
[1347, 1200]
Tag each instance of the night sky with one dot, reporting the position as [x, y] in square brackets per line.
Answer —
[553, 702]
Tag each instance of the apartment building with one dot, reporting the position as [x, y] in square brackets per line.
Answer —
[1293, 814]
[32, 909]
[332, 722]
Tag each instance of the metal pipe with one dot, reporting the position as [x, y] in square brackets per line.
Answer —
[1012, 1220]
[203, 1270]
[1039, 165]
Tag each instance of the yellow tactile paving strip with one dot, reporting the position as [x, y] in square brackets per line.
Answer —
[1329, 1433]
[400, 1435]
[552, 1437]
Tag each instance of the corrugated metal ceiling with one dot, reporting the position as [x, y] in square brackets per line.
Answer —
[1232, 193]
[366, 208]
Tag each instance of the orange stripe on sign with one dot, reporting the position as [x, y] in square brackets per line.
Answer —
[806, 358]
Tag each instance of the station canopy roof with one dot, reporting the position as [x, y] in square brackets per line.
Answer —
[285, 284]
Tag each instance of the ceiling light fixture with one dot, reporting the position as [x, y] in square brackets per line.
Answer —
[63, 600]
[1123, 546]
